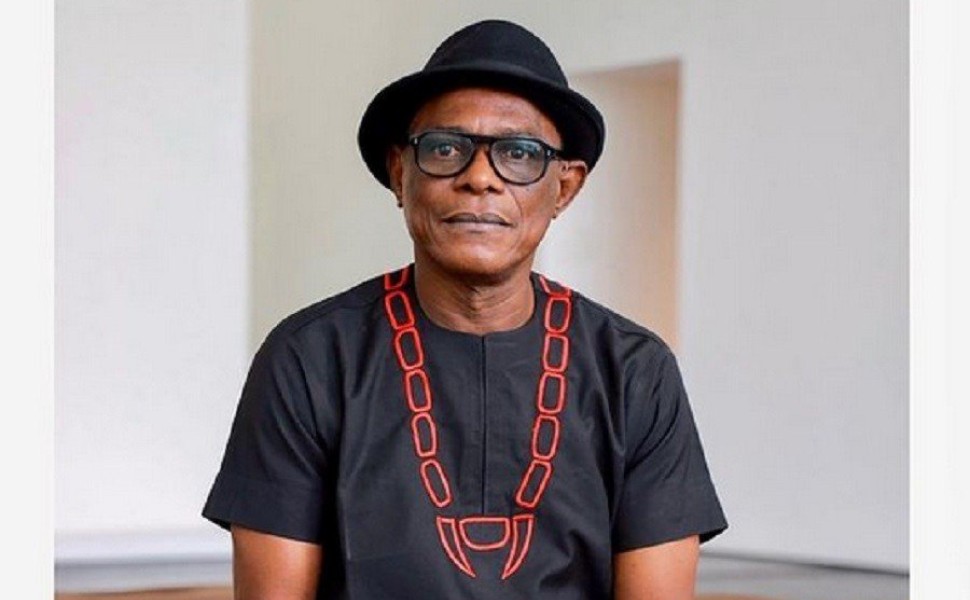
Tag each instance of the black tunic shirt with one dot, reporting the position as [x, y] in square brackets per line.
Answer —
[431, 463]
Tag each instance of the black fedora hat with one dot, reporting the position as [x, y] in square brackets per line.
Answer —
[492, 54]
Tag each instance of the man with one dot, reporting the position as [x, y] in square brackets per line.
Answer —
[464, 427]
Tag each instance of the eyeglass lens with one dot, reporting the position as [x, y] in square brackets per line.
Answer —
[516, 160]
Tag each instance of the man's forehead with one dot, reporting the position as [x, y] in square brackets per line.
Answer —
[472, 108]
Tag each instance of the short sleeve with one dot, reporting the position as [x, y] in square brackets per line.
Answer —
[273, 472]
[667, 492]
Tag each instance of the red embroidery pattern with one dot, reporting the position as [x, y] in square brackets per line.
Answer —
[503, 522]
[516, 531]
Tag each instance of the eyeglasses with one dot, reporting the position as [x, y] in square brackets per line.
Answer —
[517, 160]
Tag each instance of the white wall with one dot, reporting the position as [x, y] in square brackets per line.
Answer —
[792, 241]
[795, 293]
[151, 262]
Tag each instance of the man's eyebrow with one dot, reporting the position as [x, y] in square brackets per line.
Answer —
[518, 131]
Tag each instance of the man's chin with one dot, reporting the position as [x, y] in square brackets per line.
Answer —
[479, 269]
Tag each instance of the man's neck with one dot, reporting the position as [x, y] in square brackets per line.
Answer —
[477, 307]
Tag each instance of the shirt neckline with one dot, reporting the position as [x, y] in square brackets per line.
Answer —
[523, 331]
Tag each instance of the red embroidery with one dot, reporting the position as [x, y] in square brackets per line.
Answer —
[391, 284]
[549, 422]
[453, 535]
[560, 386]
[554, 289]
[521, 538]
[432, 447]
[504, 522]
[552, 343]
[445, 498]
[422, 377]
[452, 545]
[567, 313]
[550, 400]
[540, 471]
[392, 314]
[403, 335]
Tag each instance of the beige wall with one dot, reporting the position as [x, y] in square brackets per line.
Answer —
[618, 242]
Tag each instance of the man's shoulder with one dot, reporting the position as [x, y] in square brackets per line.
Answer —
[347, 309]
[610, 326]
[618, 346]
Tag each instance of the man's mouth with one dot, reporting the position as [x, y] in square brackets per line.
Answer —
[484, 218]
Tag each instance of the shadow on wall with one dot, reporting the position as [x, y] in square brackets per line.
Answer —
[633, 196]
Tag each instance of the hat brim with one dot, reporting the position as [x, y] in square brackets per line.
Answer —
[388, 116]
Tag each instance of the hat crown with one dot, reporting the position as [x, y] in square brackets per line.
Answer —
[496, 41]
[492, 54]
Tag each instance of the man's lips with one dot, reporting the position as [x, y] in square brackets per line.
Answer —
[483, 218]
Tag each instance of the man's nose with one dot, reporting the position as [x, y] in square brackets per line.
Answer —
[479, 176]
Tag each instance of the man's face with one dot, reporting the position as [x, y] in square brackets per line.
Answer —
[474, 224]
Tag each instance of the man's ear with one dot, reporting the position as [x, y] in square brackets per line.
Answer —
[571, 180]
[395, 170]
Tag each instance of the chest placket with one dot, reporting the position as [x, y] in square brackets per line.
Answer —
[484, 421]
[456, 532]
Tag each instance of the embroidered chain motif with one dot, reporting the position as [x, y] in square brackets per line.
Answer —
[453, 532]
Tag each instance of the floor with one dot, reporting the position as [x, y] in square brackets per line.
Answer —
[718, 577]
[788, 581]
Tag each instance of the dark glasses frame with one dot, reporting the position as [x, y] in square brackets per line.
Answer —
[548, 153]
